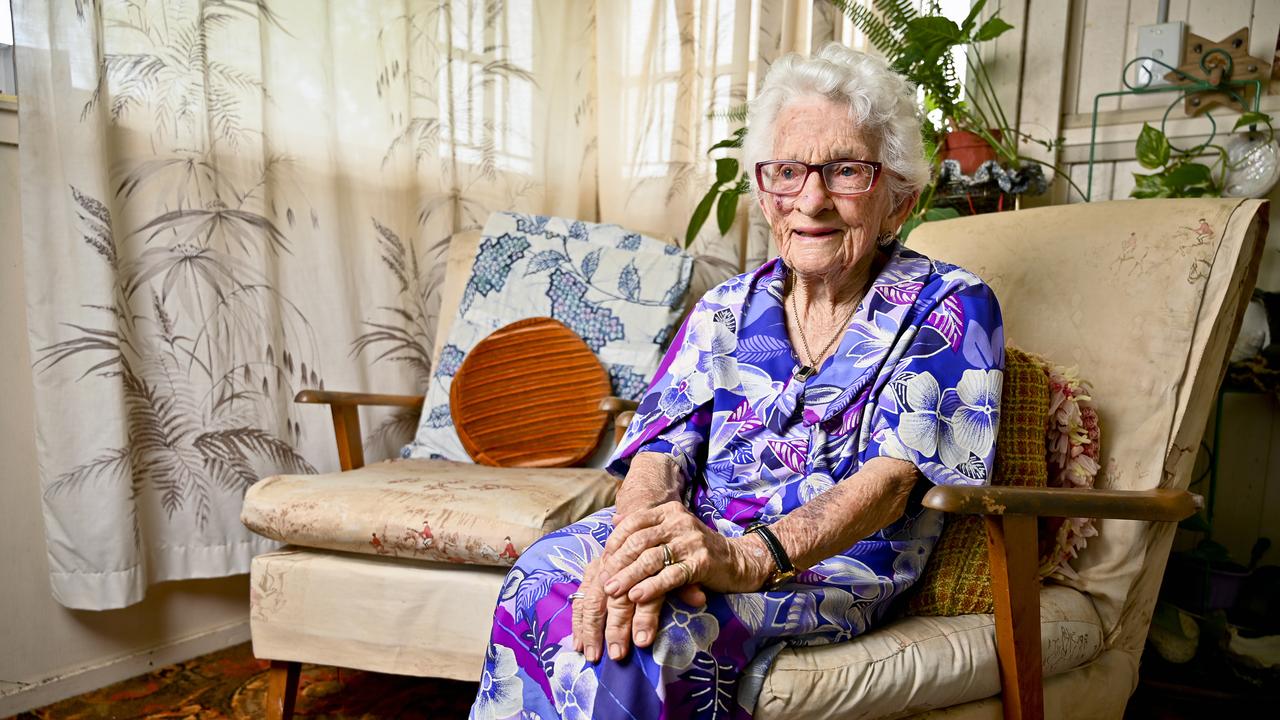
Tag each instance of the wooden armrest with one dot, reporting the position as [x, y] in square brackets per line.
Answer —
[614, 405]
[1159, 505]
[345, 407]
[330, 397]
[620, 424]
[1012, 552]
[1010, 518]
[1009, 514]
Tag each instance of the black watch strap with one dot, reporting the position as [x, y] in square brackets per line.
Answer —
[775, 548]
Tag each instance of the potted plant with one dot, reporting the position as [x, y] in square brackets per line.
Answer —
[918, 45]
[969, 131]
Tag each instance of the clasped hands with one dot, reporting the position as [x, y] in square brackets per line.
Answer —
[622, 590]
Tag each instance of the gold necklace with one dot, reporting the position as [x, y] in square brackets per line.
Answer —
[804, 372]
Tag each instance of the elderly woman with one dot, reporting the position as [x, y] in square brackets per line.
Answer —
[773, 470]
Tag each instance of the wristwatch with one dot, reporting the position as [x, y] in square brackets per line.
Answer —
[785, 570]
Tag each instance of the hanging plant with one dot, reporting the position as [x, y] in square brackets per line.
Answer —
[1178, 172]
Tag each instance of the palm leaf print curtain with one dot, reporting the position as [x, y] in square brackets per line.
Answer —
[228, 201]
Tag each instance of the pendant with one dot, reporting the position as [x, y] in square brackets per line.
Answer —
[804, 372]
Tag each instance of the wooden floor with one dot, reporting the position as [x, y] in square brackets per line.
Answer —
[233, 684]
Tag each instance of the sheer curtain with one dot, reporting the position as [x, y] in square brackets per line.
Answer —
[227, 201]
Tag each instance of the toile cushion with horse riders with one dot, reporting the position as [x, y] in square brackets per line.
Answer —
[435, 510]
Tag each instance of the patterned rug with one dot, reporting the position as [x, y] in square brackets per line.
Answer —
[233, 684]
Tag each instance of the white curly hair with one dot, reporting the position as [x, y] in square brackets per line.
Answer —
[879, 101]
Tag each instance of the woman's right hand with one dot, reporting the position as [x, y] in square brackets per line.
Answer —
[601, 622]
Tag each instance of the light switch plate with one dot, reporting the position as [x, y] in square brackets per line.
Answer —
[1164, 43]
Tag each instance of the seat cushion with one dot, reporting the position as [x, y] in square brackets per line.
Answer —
[426, 509]
[431, 619]
[1098, 689]
[372, 613]
[917, 663]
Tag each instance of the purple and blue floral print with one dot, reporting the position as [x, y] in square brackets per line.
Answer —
[917, 376]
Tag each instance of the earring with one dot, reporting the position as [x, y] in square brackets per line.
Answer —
[886, 240]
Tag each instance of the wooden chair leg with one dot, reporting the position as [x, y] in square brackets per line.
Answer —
[1012, 549]
[346, 429]
[282, 689]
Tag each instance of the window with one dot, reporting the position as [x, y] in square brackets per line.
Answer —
[656, 66]
[8, 71]
[490, 80]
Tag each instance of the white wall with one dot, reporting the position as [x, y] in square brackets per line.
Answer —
[46, 651]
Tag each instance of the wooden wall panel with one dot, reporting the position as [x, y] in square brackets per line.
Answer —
[1105, 32]
[1263, 32]
[1079, 177]
[1103, 174]
[1122, 174]
[1102, 52]
[1004, 56]
[1220, 18]
[1043, 74]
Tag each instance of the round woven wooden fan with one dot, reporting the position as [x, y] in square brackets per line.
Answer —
[529, 396]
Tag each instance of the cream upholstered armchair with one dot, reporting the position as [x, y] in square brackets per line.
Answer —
[1145, 297]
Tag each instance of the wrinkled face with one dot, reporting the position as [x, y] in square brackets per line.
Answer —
[819, 234]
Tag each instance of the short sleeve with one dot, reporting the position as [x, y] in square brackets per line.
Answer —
[940, 409]
[685, 442]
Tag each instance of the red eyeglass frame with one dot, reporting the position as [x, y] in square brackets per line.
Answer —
[877, 169]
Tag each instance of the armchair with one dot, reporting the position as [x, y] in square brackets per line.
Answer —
[1145, 297]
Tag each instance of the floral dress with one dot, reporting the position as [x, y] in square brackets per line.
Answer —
[917, 376]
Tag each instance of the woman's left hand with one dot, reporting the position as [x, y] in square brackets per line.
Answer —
[634, 565]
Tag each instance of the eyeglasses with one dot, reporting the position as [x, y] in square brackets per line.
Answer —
[841, 177]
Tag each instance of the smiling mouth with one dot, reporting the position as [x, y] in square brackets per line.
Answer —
[815, 233]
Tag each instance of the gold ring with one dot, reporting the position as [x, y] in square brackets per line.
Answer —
[688, 572]
[668, 558]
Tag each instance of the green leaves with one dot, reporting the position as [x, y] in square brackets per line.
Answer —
[1252, 118]
[728, 170]
[1153, 148]
[734, 141]
[934, 30]
[1148, 186]
[1184, 179]
[928, 39]
[700, 214]
[726, 211]
[1178, 175]
[967, 26]
[1191, 176]
[992, 29]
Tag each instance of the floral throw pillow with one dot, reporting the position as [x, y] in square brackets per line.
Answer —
[620, 291]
